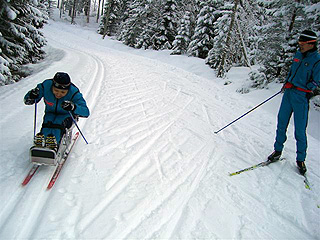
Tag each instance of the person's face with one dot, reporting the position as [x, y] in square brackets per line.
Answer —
[305, 46]
[59, 93]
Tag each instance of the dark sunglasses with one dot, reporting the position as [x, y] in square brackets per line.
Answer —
[304, 42]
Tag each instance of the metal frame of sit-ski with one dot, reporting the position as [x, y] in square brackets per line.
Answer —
[47, 156]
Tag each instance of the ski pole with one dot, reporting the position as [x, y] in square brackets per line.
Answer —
[248, 112]
[78, 127]
[35, 120]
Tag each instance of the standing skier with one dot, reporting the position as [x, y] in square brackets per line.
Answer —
[302, 80]
[60, 97]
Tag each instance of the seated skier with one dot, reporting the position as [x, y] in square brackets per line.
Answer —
[61, 97]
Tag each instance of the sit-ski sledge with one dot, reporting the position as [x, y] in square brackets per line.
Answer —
[47, 156]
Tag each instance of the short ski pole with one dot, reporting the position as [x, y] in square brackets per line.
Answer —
[248, 112]
[78, 127]
[35, 120]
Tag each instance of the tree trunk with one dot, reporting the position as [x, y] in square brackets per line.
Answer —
[293, 17]
[221, 69]
[102, 7]
[61, 9]
[107, 17]
[88, 11]
[244, 48]
[98, 12]
[73, 11]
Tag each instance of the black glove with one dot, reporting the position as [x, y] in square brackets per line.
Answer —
[67, 123]
[68, 106]
[310, 95]
[34, 93]
[285, 86]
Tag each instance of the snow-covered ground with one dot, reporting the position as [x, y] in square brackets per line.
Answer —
[153, 168]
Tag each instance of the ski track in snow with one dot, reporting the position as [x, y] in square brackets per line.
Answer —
[153, 169]
[27, 226]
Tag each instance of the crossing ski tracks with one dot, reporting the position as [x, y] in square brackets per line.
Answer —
[153, 168]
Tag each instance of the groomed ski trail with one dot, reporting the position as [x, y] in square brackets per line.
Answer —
[153, 169]
[37, 197]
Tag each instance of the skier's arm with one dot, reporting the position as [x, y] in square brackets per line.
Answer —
[81, 108]
[315, 82]
[34, 95]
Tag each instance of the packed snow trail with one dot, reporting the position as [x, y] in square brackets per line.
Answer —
[153, 168]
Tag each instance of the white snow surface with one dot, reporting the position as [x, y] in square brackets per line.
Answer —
[153, 168]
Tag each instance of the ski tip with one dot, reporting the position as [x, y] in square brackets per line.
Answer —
[233, 174]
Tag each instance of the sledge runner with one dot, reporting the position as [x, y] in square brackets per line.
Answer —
[62, 99]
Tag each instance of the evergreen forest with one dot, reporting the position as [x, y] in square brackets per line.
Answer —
[223, 33]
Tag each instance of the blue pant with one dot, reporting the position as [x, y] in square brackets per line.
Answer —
[55, 129]
[293, 101]
[58, 133]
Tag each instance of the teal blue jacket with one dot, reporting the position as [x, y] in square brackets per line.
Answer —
[54, 113]
[305, 70]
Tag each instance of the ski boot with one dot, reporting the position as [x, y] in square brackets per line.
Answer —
[51, 142]
[275, 156]
[301, 167]
[39, 140]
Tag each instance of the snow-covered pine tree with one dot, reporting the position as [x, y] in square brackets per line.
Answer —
[166, 27]
[313, 15]
[148, 26]
[226, 53]
[202, 40]
[236, 36]
[251, 17]
[50, 6]
[221, 28]
[185, 32]
[20, 40]
[115, 11]
[105, 19]
[132, 27]
[286, 19]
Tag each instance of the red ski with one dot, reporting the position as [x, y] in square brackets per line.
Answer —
[30, 174]
[58, 168]
[60, 165]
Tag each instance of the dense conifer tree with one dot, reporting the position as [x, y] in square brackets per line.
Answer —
[21, 41]
[165, 26]
[185, 32]
[202, 40]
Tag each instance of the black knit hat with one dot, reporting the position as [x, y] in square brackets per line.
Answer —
[308, 36]
[61, 80]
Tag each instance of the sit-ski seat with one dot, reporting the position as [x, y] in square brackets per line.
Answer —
[47, 156]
